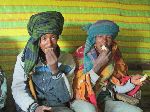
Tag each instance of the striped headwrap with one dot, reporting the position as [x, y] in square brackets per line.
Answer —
[101, 27]
[38, 25]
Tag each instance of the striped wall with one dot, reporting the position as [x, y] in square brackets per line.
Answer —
[133, 17]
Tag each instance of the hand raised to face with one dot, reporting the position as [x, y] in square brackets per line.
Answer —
[145, 79]
[43, 109]
[103, 58]
[51, 57]
[48, 44]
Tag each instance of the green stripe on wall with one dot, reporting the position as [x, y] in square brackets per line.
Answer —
[135, 50]
[14, 39]
[28, 9]
[13, 24]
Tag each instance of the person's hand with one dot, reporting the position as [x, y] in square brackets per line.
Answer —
[136, 80]
[147, 81]
[51, 57]
[103, 58]
[43, 109]
[52, 60]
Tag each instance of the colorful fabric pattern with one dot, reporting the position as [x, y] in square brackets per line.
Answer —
[82, 82]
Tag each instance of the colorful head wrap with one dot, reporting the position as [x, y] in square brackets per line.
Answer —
[101, 27]
[40, 24]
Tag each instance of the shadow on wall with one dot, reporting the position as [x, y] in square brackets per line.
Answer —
[72, 37]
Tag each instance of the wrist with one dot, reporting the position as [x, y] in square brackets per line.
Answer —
[58, 75]
[55, 72]
[54, 68]
[33, 107]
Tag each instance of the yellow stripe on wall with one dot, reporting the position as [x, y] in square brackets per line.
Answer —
[134, 44]
[13, 32]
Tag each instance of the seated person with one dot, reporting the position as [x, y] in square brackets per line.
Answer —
[42, 73]
[3, 90]
[101, 71]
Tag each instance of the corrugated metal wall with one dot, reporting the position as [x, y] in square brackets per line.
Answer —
[133, 17]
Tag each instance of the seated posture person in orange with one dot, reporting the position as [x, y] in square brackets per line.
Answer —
[101, 71]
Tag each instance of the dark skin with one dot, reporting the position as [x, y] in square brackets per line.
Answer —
[104, 56]
[48, 44]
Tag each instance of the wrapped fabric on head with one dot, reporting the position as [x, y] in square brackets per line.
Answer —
[38, 25]
[101, 27]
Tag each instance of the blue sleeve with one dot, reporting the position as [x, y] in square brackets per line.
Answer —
[125, 88]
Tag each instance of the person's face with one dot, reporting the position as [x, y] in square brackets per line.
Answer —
[48, 41]
[101, 40]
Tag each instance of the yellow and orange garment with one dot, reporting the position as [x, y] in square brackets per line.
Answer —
[115, 72]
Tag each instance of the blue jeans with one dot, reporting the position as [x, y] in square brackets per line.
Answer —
[76, 106]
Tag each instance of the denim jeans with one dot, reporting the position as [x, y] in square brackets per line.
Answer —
[76, 106]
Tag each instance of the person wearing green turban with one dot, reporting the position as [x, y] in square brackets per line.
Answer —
[42, 72]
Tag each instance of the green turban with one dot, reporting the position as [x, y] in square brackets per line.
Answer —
[45, 22]
[38, 25]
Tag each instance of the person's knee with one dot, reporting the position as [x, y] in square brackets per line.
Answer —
[82, 106]
[119, 106]
[133, 109]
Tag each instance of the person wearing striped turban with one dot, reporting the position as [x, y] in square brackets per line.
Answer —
[101, 72]
[42, 74]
